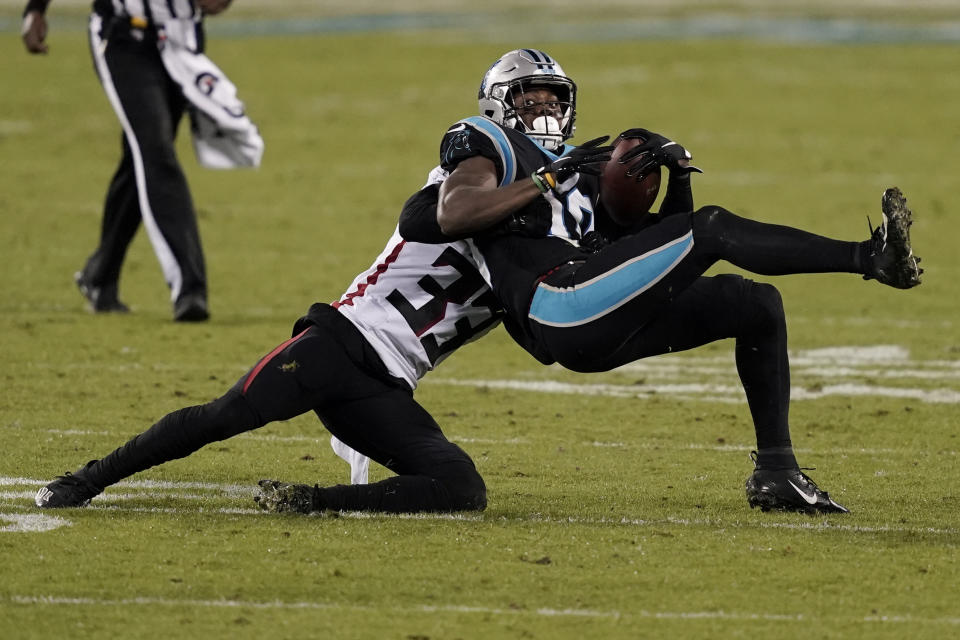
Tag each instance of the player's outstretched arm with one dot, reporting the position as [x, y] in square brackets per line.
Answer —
[34, 29]
[471, 201]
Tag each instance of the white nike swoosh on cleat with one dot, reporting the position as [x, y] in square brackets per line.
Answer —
[808, 499]
[43, 495]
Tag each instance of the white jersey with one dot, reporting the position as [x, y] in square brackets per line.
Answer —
[417, 303]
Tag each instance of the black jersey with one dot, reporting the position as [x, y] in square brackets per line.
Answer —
[513, 264]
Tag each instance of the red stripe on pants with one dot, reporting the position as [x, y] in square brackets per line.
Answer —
[263, 362]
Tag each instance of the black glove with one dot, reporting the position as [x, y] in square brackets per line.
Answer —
[562, 174]
[654, 151]
[592, 242]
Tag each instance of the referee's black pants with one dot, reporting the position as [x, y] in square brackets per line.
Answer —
[149, 185]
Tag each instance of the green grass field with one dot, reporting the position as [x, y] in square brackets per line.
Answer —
[616, 504]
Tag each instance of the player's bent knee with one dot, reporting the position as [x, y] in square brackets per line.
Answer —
[467, 490]
[766, 305]
[711, 216]
[768, 297]
[712, 225]
[476, 501]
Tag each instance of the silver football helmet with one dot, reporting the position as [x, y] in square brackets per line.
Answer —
[518, 71]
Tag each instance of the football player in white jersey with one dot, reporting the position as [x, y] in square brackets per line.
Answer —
[355, 363]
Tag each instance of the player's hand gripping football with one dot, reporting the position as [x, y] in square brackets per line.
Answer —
[655, 150]
[561, 175]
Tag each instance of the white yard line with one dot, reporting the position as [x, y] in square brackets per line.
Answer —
[111, 501]
[31, 522]
[714, 378]
[729, 393]
[549, 612]
[234, 489]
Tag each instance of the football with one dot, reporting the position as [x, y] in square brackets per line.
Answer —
[625, 198]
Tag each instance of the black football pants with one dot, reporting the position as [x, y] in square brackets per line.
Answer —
[332, 370]
[149, 185]
[646, 295]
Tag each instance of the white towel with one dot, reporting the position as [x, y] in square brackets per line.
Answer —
[223, 136]
[359, 463]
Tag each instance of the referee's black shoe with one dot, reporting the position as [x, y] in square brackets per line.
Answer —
[101, 299]
[788, 490]
[191, 307]
[68, 490]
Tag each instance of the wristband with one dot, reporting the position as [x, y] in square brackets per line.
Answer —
[39, 6]
[540, 182]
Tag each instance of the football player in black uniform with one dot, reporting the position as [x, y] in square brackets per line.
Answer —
[532, 207]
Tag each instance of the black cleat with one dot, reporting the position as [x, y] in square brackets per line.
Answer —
[101, 299]
[68, 490]
[891, 258]
[282, 497]
[788, 490]
[190, 308]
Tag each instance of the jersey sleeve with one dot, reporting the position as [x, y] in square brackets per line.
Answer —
[465, 140]
[418, 220]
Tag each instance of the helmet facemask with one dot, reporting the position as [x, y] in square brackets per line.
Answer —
[550, 130]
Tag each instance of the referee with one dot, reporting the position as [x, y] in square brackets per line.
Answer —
[149, 184]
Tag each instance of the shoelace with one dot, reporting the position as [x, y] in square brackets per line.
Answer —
[878, 236]
[69, 478]
[73, 480]
[808, 479]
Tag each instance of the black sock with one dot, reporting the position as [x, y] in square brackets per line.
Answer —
[773, 458]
